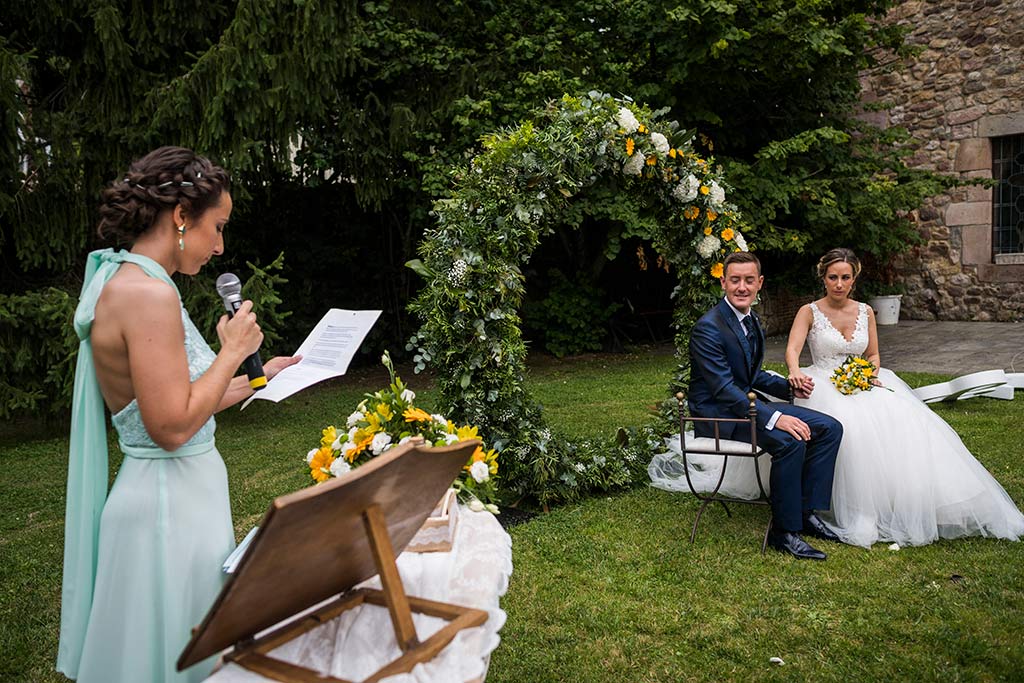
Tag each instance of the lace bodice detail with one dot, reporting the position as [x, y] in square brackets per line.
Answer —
[828, 346]
[128, 421]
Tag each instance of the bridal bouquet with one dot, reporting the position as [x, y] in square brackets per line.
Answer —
[854, 375]
[388, 418]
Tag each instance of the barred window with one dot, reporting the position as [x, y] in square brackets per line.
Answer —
[1007, 196]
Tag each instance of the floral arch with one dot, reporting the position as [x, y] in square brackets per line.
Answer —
[523, 182]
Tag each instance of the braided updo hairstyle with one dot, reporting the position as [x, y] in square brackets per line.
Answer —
[159, 181]
[839, 255]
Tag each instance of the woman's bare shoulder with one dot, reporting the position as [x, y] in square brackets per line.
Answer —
[133, 295]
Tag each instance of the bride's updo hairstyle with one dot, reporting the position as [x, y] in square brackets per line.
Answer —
[157, 182]
[839, 255]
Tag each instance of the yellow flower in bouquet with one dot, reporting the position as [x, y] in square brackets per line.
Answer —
[388, 418]
[854, 375]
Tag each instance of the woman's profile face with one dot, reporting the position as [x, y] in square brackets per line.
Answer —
[204, 236]
[839, 280]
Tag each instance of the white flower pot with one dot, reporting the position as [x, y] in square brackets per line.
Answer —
[887, 308]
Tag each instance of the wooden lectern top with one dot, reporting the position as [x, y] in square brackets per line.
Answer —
[313, 544]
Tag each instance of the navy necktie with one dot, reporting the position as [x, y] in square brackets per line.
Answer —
[748, 327]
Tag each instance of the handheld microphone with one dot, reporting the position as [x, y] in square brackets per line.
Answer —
[230, 289]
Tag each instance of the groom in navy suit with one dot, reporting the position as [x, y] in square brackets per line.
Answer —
[726, 350]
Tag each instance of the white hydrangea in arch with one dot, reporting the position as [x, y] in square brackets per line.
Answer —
[523, 182]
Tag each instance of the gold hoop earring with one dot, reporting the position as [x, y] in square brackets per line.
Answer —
[181, 237]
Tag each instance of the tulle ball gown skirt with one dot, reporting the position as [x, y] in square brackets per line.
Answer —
[903, 475]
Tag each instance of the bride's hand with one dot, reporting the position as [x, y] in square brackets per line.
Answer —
[798, 380]
[877, 382]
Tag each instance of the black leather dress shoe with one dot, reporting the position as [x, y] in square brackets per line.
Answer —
[788, 542]
[813, 526]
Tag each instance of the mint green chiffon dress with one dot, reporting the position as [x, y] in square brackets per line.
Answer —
[142, 565]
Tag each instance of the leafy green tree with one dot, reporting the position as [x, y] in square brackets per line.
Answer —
[342, 122]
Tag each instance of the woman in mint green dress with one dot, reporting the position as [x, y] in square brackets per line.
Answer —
[142, 565]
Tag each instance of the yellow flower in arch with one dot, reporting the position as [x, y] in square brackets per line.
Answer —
[728, 234]
[704, 189]
[712, 215]
[630, 145]
[717, 270]
[691, 212]
[707, 230]
[652, 160]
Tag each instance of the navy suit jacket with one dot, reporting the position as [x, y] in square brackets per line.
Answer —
[722, 372]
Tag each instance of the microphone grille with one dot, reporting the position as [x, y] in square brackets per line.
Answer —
[228, 284]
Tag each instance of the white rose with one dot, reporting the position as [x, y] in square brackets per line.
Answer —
[627, 121]
[634, 165]
[309, 456]
[408, 395]
[716, 193]
[660, 143]
[686, 190]
[380, 440]
[339, 467]
[708, 246]
[354, 418]
[741, 242]
[480, 472]
[475, 505]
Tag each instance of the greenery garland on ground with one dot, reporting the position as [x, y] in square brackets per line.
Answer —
[514, 192]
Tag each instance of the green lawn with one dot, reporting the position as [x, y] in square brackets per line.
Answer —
[609, 589]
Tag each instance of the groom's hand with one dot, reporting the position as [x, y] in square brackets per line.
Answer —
[795, 426]
[804, 390]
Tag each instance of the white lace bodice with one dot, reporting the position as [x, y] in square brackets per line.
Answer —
[828, 346]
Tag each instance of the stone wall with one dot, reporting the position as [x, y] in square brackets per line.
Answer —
[965, 86]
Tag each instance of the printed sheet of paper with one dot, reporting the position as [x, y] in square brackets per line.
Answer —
[326, 353]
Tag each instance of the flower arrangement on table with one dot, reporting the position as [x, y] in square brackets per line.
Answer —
[388, 418]
[854, 375]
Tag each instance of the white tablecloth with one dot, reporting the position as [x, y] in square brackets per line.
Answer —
[356, 644]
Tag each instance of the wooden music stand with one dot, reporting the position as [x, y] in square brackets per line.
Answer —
[321, 542]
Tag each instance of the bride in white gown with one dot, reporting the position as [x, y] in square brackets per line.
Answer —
[902, 473]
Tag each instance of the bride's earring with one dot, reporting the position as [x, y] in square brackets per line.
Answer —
[181, 237]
